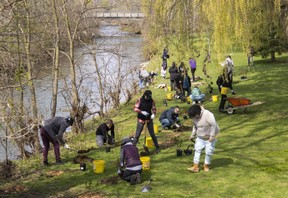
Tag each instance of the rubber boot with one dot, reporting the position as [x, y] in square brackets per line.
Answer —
[206, 168]
[194, 168]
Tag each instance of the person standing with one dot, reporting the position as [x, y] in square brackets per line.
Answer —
[170, 118]
[130, 167]
[205, 129]
[250, 55]
[192, 63]
[53, 131]
[146, 111]
[173, 71]
[164, 57]
[102, 135]
[182, 68]
[186, 84]
[222, 82]
[228, 72]
[179, 86]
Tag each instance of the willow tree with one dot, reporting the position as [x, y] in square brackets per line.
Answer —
[230, 25]
[236, 24]
[172, 23]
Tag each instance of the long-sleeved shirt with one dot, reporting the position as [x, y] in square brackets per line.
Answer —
[103, 130]
[55, 127]
[192, 63]
[206, 126]
[170, 115]
[144, 105]
[129, 157]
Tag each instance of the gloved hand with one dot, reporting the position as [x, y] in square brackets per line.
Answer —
[177, 125]
[152, 116]
[66, 146]
[119, 172]
[145, 113]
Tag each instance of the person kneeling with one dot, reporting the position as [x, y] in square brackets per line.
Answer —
[197, 96]
[130, 165]
[102, 135]
[170, 118]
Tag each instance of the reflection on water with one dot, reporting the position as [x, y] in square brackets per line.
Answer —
[113, 48]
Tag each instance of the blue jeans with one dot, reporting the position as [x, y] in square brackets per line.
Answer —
[209, 147]
[198, 98]
[165, 123]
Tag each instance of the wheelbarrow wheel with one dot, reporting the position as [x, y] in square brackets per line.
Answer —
[230, 110]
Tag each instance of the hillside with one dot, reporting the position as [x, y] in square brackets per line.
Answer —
[249, 161]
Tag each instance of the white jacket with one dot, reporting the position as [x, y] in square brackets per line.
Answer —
[206, 126]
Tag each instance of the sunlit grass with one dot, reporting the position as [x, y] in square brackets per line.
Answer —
[250, 158]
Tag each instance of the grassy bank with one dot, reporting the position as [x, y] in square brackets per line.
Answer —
[249, 161]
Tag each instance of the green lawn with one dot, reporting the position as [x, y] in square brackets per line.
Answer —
[249, 161]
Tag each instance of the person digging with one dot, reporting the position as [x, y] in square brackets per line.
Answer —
[146, 111]
[130, 168]
[53, 131]
[205, 129]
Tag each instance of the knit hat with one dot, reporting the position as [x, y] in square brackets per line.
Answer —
[147, 93]
[126, 140]
[69, 120]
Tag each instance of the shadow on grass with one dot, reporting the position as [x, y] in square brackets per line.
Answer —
[221, 162]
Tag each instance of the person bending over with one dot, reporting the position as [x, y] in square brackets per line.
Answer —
[102, 135]
[130, 165]
[170, 118]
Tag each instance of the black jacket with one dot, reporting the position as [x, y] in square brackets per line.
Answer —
[55, 127]
[103, 130]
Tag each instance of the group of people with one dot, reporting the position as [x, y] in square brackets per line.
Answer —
[180, 81]
[205, 130]
[205, 127]
[145, 77]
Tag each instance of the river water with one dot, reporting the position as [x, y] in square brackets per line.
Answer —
[113, 48]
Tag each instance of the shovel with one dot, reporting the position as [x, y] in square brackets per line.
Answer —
[80, 151]
[147, 187]
[144, 145]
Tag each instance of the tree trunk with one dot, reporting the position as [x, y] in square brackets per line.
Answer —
[55, 60]
[30, 73]
[273, 57]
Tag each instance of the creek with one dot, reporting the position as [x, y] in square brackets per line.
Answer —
[113, 47]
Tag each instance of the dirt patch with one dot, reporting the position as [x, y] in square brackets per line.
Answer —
[7, 169]
[13, 189]
[110, 180]
[91, 195]
[82, 158]
[54, 173]
[183, 128]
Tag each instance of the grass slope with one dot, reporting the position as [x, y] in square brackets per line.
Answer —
[249, 161]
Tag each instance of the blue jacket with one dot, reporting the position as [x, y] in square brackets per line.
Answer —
[170, 115]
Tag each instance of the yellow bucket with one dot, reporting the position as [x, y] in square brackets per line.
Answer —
[224, 90]
[189, 99]
[145, 162]
[169, 96]
[156, 128]
[168, 88]
[98, 166]
[149, 142]
[215, 98]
